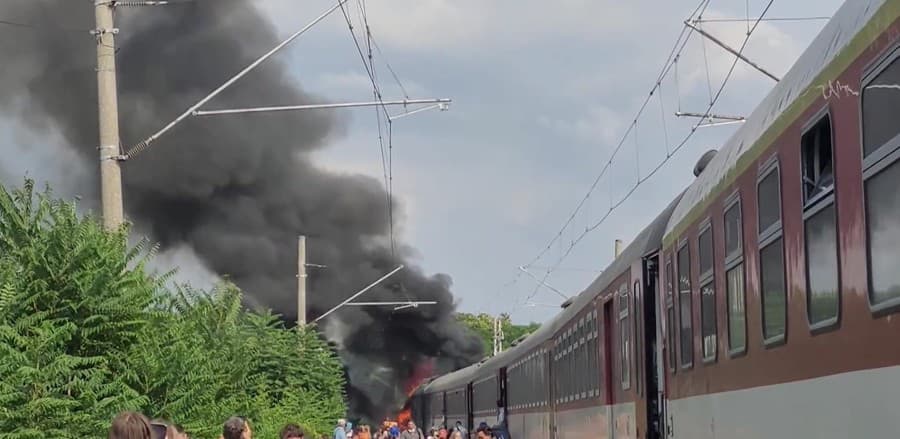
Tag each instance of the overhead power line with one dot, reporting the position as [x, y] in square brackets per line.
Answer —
[39, 27]
[752, 20]
[614, 206]
[671, 60]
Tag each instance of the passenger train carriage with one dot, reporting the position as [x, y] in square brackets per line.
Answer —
[763, 302]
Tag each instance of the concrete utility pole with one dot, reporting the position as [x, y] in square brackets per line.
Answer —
[107, 98]
[498, 335]
[301, 281]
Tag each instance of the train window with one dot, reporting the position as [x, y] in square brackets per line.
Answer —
[734, 278]
[816, 157]
[773, 286]
[670, 315]
[771, 255]
[769, 201]
[820, 232]
[705, 252]
[883, 223]
[707, 294]
[881, 145]
[624, 337]
[819, 223]
[818, 168]
[880, 106]
[685, 305]
[734, 244]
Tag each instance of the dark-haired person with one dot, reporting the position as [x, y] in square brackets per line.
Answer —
[237, 427]
[483, 431]
[291, 431]
[130, 425]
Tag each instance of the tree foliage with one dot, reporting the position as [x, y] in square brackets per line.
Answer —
[483, 325]
[86, 332]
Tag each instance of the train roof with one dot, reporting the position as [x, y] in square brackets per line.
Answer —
[647, 241]
[851, 26]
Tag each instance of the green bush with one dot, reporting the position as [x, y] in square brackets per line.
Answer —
[86, 332]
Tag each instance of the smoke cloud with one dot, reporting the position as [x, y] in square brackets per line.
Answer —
[234, 190]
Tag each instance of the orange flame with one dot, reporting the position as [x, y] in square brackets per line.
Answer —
[404, 416]
[421, 373]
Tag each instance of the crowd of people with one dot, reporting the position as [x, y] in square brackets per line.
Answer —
[345, 430]
[133, 425]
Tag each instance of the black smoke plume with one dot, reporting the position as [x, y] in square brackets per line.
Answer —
[237, 190]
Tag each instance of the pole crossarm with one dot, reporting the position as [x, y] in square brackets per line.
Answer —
[709, 116]
[717, 124]
[543, 284]
[405, 102]
[144, 144]
[360, 293]
[730, 50]
[441, 105]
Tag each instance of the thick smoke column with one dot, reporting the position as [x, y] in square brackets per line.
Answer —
[238, 190]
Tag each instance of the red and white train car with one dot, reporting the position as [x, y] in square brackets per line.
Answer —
[763, 302]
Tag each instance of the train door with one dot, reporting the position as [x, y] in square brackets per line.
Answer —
[608, 322]
[652, 369]
[551, 376]
[501, 398]
[470, 408]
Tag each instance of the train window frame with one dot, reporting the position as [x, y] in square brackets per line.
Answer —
[732, 261]
[812, 207]
[689, 364]
[708, 279]
[870, 74]
[625, 336]
[766, 238]
[879, 160]
[810, 128]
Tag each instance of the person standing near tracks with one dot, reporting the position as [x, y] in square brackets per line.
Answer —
[340, 431]
[411, 432]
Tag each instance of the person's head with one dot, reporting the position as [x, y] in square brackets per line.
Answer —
[130, 425]
[291, 431]
[456, 435]
[342, 423]
[167, 430]
[411, 426]
[237, 427]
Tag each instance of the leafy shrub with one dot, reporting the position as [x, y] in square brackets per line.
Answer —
[86, 332]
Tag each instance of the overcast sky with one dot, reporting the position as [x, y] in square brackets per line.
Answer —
[543, 92]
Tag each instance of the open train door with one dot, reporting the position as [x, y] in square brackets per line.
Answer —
[652, 385]
[551, 388]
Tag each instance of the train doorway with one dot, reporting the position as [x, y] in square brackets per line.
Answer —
[653, 370]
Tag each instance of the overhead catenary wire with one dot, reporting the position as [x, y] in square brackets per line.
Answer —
[40, 27]
[671, 60]
[684, 141]
[369, 65]
[751, 19]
